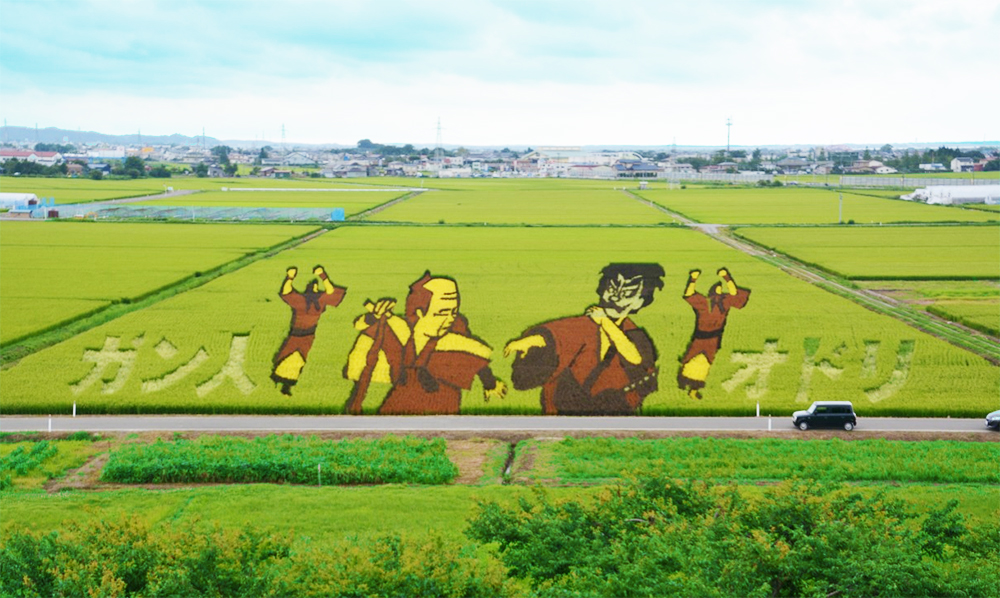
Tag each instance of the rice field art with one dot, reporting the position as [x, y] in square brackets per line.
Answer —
[485, 292]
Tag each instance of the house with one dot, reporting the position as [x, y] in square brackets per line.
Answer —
[635, 169]
[591, 171]
[792, 165]
[297, 159]
[823, 167]
[962, 165]
[43, 158]
[677, 168]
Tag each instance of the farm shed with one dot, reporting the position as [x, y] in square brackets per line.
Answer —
[956, 194]
[9, 200]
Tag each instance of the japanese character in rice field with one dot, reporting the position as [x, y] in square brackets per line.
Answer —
[711, 313]
[109, 357]
[598, 363]
[428, 356]
[307, 307]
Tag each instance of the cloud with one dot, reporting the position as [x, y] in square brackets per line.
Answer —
[506, 71]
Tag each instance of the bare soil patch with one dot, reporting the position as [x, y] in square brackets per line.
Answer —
[85, 477]
[471, 457]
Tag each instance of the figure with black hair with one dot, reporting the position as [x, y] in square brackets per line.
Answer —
[307, 308]
[599, 363]
[710, 322]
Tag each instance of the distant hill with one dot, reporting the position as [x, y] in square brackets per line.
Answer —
[30, 136]
[53, 135]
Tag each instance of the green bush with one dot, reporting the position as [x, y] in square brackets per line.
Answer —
[656, 537]
[127, 558]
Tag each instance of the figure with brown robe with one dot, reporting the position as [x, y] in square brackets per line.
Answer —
[598, 363]
[710, 322]
[307, 308]
[429, 357]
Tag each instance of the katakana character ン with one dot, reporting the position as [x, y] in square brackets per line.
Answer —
[167, 350]
[900, 373]
[809, 366]
[710, 314]
[232, 370]
[758, 364]
[109, 356]
[307, 308]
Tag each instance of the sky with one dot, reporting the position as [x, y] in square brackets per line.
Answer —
[508, 72]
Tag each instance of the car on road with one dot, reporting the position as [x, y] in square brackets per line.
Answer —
[826, 414]
[993, 421]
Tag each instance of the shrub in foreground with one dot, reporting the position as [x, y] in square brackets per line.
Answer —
[127, 558]
[656, 537]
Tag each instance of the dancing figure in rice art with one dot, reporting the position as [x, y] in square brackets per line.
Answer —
[307, 307]
[711, 313]
[428, 356]
[598, 363]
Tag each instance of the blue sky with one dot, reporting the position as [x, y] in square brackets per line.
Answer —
[507, 72]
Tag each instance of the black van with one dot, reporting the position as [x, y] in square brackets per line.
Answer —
[826, 414]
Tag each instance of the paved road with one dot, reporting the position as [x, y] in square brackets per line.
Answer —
[346, 423]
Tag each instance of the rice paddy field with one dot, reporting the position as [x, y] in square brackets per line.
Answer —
[802, 206]
[51, 272]
[889, 252]
[600, 460]
[209, 349]
[82, 190]
[792, 344]
[352, 199]
[525, 201]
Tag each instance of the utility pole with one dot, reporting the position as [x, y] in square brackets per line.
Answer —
[438, 149]
[729, 125]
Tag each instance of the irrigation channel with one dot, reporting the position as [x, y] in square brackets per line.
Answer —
[985, 346]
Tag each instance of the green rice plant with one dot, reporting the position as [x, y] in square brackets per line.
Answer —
[576, 460]
[887, 253]
[983, 316]
[794, 343]
[801, 206]
[353, 199]
[57, 271]
[530, 202]
[282, 459]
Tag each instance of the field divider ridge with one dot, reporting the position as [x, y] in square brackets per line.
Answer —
[954, 333]
[382, 206]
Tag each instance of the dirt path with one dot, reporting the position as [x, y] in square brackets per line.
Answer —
[961, 336]
[388, 204]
